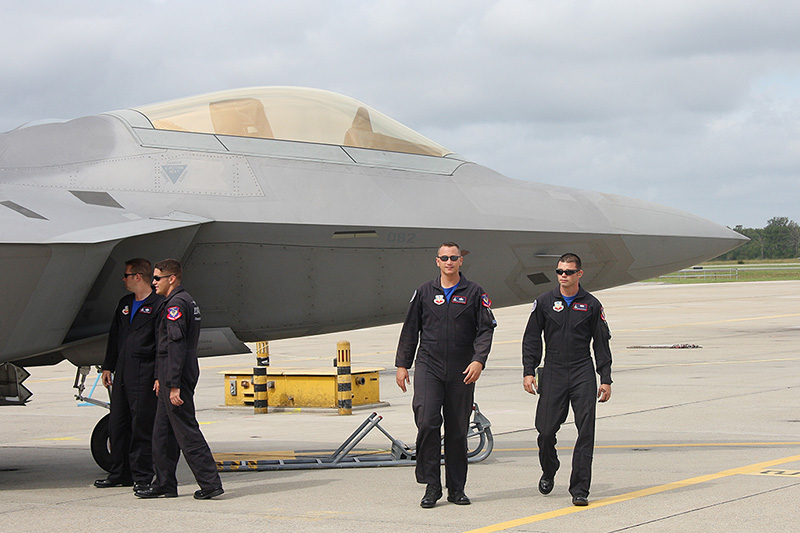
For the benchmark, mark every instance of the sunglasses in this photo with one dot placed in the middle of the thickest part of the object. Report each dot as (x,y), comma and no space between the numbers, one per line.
(444,258)
(126,274)
(159,278)
(560,271)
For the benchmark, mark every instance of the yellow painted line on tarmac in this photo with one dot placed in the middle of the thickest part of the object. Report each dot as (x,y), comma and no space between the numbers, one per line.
(62,438)
(502,526)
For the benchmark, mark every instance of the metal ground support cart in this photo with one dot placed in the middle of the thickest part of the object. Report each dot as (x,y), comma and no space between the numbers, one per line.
(479,439)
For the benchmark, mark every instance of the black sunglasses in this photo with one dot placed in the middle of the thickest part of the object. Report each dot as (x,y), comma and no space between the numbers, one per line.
(444,258)
(560,271)
(159,278)
(126,274)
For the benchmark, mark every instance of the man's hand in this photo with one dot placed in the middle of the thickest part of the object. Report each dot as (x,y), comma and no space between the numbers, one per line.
(402,378)
(107,379)
(473,372)
(529,385)
(604,392)
(156,387)
(175,396)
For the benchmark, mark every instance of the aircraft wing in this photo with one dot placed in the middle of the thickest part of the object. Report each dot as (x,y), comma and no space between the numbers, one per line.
(56,262)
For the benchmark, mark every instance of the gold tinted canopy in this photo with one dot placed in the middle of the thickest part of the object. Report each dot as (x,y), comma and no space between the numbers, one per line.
(291,114)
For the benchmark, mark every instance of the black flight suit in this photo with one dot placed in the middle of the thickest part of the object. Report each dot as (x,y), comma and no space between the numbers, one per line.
(131,355)
(567,376)
(450,336)
(176,428)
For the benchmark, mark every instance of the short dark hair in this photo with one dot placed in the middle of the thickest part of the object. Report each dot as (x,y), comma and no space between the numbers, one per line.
(449,244)
(569,257)
(140,266)
(171,267)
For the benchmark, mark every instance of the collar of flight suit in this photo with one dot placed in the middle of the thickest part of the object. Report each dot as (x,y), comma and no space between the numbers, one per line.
(462,282)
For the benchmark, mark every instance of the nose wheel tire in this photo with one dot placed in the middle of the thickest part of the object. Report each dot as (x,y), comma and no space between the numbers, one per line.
(101,445)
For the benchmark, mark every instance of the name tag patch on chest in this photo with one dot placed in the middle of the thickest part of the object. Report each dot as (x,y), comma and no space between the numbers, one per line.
(580,307)
(146,310)
(459,299)
(174,313)
(438,299)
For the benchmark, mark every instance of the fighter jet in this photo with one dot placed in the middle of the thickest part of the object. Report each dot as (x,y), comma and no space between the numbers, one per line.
(295,211)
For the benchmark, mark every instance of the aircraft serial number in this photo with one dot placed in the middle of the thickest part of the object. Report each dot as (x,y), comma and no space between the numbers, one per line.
(401,237)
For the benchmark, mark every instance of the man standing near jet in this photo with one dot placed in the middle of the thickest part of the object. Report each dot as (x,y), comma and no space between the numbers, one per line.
(177,372)
(451,320)
(570,318)
(130,358)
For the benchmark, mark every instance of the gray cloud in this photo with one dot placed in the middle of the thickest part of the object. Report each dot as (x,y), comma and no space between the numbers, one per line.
(690,104)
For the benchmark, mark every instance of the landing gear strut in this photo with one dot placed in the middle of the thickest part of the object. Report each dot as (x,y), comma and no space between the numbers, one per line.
(100,443)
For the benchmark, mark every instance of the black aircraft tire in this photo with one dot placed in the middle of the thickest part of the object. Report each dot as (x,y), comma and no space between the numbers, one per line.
(101,447)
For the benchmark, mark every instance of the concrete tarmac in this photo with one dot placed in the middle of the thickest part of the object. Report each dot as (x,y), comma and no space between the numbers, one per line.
(695,439)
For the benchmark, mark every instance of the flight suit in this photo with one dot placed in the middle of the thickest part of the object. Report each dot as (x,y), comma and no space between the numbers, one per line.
(446,337)
(130,355)
(567,376)
(176,428)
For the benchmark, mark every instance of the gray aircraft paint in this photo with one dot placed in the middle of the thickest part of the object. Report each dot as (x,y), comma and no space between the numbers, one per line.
(284,238)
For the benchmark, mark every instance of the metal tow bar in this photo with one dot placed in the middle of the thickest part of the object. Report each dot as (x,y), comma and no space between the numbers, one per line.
(479,440)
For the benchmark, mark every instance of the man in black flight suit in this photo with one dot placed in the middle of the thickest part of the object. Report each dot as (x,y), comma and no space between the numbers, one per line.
(570,318)
(451,320)
(177,372)
(130,357)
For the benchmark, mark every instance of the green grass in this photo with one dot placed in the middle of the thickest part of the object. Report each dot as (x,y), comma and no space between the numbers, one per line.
(728,271)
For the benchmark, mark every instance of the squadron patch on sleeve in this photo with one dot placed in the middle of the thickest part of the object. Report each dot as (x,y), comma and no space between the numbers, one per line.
(534,307)
(174,313)
(413,296)
(485,300)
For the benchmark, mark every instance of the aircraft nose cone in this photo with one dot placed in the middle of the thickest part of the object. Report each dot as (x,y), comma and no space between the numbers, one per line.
(661,239)
(620,239)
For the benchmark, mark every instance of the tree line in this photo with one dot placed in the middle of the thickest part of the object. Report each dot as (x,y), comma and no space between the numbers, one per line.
(779,239)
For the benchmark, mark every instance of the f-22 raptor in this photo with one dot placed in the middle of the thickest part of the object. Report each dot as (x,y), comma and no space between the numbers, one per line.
(295,211)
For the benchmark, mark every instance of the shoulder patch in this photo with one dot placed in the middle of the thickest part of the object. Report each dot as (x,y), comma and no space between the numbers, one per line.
(174,313)
(485,301)
(413,296)
(534,306)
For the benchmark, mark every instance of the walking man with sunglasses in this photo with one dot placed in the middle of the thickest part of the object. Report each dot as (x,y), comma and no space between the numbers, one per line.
(570,319)
(449,327)
(177,371)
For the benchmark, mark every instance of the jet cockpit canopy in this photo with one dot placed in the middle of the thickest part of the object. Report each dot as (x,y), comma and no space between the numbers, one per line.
(292,114)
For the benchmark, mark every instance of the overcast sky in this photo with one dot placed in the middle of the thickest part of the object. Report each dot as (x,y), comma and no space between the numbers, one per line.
(691,104)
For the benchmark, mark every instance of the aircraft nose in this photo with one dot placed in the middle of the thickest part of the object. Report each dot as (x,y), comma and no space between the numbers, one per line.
(620,239)
(661,239)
